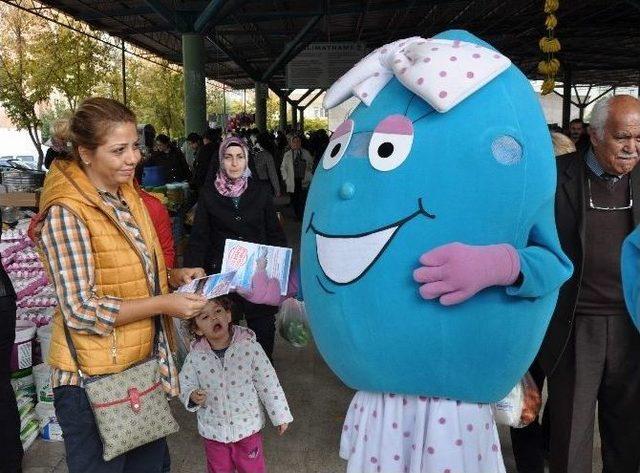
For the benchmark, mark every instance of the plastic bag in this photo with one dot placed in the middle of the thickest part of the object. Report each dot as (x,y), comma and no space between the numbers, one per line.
(292,324)
(521,406)
(49,427)
(182,339)
(190,216)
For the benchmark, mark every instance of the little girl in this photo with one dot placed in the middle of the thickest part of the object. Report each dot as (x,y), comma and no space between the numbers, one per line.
(225,377)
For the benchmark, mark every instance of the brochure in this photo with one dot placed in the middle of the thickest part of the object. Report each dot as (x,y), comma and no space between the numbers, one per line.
(244,257)
(212,286)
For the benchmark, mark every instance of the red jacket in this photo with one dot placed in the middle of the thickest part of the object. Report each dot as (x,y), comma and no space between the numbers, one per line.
(162,223)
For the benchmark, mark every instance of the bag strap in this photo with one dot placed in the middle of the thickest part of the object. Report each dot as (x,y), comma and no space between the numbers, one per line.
(158,324)
(72,347)
(157,292)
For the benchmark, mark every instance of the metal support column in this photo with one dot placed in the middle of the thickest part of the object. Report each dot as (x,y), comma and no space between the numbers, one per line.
(124,77)
(195,94)
(301,119)
(566,99)
(224,108)
(294,116)
(283,113)
(261,106)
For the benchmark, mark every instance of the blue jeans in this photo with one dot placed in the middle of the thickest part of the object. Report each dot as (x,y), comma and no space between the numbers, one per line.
(83,445)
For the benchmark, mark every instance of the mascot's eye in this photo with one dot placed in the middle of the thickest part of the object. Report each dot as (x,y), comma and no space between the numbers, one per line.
(391,142)
(338,144)
(506,150)
(385,149)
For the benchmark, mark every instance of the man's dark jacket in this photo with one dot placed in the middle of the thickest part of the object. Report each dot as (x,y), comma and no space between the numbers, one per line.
(571,209)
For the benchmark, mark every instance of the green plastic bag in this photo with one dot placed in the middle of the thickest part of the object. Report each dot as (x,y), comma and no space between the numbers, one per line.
(292,323)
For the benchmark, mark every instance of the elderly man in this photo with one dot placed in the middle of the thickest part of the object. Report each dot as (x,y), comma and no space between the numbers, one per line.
(591,352)
(296,170)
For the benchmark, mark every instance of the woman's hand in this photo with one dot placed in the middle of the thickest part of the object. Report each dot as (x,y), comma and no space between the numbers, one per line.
(181,276)
(282,428)
(183,306)
(198,397)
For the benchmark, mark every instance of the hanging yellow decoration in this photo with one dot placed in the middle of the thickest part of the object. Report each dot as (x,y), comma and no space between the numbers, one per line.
(551,6)
(549,45)
(551,22)
(549,68)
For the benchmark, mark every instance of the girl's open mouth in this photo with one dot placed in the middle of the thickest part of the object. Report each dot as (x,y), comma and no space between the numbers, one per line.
(217,327)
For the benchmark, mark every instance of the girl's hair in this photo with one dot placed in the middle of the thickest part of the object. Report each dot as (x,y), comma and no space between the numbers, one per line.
(60,129)
(225,302)
(93,120)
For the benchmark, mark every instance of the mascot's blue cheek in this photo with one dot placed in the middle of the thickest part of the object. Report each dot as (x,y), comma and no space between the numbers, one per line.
(365,229)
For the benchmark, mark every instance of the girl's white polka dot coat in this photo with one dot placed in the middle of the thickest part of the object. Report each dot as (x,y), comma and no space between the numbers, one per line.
(235,389)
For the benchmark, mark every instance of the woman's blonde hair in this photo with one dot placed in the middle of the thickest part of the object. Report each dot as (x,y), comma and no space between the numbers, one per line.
(60,129)
(93,120)
(562,144)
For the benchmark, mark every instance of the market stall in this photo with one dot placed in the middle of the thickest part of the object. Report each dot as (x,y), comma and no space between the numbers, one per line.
(35,302)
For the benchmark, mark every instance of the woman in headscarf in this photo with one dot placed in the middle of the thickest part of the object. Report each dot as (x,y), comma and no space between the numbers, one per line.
(233,205)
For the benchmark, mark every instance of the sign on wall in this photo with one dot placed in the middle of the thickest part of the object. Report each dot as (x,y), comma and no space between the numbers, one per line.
(319,65)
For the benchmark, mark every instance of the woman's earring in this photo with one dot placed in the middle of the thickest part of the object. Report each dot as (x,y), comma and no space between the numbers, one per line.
(87,163)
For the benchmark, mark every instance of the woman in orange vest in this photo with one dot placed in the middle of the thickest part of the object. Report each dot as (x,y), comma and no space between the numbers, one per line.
(103,255)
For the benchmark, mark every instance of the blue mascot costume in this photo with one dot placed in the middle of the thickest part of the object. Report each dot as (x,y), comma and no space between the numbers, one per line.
(430,259)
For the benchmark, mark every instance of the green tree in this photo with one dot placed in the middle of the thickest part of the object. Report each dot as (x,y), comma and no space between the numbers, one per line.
(111,84)
(215,98)
(57,109)
(236,106)
(24,85)
(273,111)
(157,97)
(76,62)
(312,124)
(154,91)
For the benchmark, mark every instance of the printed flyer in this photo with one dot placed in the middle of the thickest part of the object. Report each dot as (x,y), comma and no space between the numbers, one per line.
(212,286)
(244,258)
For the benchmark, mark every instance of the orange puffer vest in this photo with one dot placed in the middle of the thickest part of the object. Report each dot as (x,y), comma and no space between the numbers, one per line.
(119,272)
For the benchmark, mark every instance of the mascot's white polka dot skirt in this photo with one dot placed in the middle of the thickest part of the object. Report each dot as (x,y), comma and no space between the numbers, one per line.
(390,433)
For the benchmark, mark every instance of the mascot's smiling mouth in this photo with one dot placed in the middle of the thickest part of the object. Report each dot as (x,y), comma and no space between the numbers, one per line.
(344,259)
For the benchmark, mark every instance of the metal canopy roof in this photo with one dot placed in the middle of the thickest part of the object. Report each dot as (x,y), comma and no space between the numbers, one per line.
(249,40)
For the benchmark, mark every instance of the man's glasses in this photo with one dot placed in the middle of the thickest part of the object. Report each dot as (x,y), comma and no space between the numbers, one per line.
(597,207)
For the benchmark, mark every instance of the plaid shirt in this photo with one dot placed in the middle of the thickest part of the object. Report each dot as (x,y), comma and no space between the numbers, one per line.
(66,244)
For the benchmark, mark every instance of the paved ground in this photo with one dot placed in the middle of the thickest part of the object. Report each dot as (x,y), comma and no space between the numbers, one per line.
(318,401)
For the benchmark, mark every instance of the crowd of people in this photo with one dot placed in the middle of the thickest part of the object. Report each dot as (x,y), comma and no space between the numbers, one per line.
(576,138)
(100,228)
(285,160)
(113,267)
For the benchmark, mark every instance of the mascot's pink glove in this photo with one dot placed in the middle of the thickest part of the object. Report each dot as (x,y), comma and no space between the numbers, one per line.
(266,290)
(455,272)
